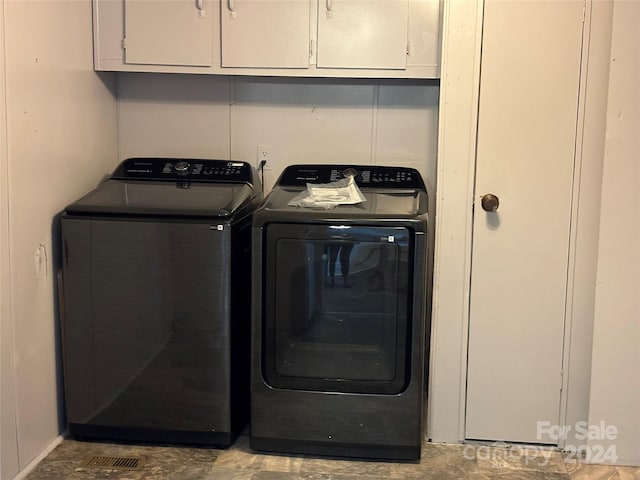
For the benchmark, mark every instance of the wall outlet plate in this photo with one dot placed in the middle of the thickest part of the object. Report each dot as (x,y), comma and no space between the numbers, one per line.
(264,153)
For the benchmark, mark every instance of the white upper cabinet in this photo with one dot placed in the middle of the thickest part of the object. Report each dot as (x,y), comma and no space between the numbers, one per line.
(169,32)
(321,38)
(350,33)
(362,33)
(265,33)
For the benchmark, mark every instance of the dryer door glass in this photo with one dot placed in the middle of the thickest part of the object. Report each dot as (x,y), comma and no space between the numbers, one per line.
(336,307)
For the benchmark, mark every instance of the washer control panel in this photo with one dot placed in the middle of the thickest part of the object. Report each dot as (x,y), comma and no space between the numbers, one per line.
(180,169)
(372,176)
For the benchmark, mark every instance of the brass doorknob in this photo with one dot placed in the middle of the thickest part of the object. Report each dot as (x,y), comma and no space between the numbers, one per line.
(490,202)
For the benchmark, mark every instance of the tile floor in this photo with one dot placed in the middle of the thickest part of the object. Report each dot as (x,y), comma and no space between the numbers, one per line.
(240,462)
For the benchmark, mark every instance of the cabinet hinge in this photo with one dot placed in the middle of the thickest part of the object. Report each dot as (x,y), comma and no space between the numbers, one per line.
(409,48)
(561,379)
(124,43)
(310,48)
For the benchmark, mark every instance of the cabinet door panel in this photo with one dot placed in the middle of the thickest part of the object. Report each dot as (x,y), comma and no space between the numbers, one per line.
(169,32)
(362,33)
(265,33)
(424,33)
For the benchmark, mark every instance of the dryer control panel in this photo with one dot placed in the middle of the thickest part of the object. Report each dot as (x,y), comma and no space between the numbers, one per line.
(181,169)
(372,176)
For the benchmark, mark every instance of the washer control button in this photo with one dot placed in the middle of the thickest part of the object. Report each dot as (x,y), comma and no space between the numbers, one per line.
(182,167)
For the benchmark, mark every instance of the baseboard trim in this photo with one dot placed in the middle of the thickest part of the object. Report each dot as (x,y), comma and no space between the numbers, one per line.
(22,474)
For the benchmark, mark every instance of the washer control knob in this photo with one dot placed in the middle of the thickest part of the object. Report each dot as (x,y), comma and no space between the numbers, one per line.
(350,172)
(182,167)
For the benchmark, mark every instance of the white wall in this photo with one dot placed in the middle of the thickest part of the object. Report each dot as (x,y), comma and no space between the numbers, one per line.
(173,115)
(615,380)
(302,120)
(61,139)
(8,438)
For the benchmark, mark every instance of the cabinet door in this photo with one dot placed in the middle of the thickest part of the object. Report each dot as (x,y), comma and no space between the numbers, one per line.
(169,32)
(529,89)
(362,33)
(265,33)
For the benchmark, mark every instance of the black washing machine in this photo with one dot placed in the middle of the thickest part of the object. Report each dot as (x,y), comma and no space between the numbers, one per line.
(339,321)
(156,312)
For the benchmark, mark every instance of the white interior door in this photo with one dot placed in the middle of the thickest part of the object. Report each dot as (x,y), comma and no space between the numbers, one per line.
(529,87)
(170,32)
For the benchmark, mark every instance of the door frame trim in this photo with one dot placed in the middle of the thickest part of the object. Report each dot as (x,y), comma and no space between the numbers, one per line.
(459,96)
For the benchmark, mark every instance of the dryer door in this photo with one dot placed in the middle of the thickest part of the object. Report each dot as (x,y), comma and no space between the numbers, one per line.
(337,308)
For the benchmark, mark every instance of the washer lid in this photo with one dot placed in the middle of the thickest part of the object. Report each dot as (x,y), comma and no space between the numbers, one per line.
(131,197)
